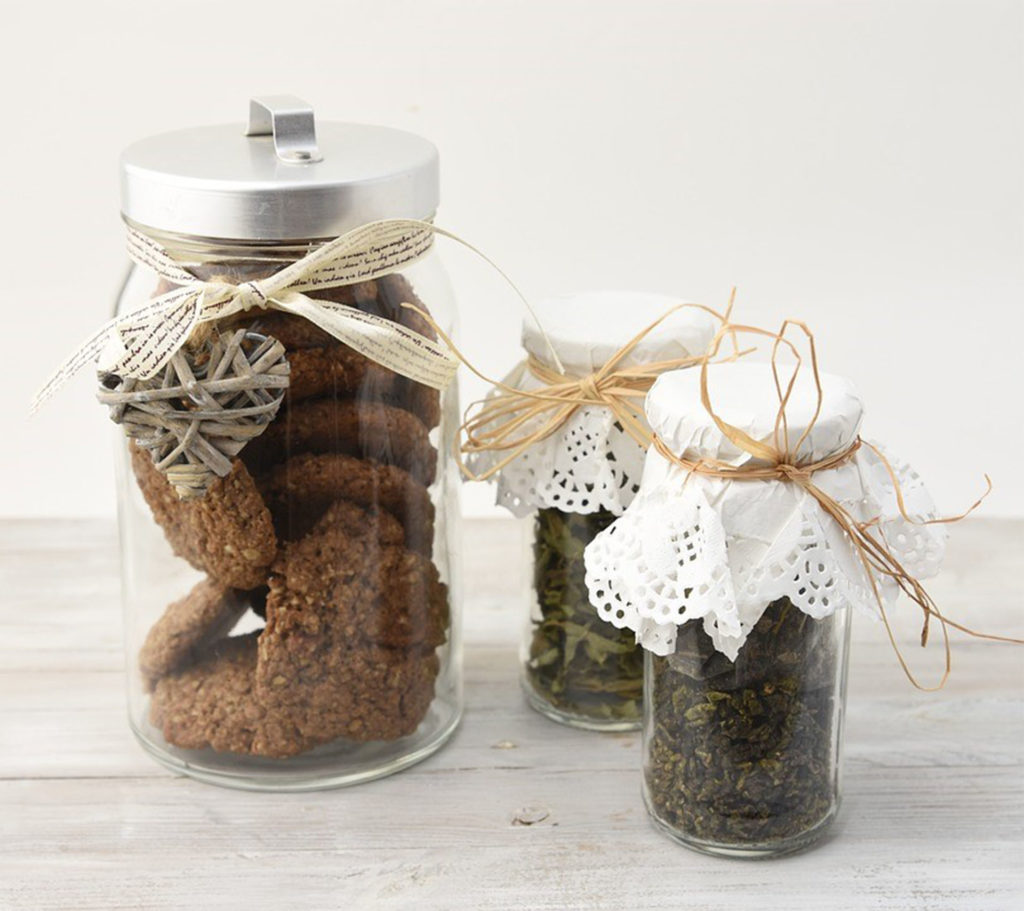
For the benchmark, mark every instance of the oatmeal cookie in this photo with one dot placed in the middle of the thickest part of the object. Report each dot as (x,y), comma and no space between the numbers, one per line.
(353,576)
(228,533)
(369,430)
(207,613)
(300,491)
(212,703)
(353,618)
(361,693)
(337,371)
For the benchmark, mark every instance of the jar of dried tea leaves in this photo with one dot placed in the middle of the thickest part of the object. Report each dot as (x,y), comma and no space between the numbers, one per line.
(289,510)
(580,472)
(739,583)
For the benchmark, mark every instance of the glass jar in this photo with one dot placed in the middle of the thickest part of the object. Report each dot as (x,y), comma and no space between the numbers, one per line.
(742,757)
(739,584)
(570,485)
(297,626)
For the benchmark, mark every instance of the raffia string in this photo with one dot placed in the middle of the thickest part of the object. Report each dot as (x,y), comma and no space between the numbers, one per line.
(514,419)
(781,462)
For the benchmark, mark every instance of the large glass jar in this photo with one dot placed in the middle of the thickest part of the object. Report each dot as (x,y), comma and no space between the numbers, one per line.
(297,625)
(737,577)
(570,484)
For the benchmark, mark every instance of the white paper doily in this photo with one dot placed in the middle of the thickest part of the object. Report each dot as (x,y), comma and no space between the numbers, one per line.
(591,463)
(700,547)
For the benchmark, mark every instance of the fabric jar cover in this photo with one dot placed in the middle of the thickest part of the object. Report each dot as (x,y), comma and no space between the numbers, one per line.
(696,546)
(590,463)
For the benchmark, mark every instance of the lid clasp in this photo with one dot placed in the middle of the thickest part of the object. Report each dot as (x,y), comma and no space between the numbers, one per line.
(290,121)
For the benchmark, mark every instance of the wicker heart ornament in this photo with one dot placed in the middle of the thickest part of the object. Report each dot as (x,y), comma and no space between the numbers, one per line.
(198,413)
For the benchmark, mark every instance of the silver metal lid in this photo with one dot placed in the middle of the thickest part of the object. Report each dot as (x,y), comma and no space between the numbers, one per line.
(282,178)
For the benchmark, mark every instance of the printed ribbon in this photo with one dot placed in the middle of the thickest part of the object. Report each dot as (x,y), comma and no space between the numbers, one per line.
(780,462)
(138,344)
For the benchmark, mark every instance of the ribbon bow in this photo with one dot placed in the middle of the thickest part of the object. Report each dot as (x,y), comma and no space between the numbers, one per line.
(138,344)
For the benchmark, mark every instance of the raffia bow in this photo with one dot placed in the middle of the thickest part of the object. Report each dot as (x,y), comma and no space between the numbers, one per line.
(513,419)
(138,344)
(779,460)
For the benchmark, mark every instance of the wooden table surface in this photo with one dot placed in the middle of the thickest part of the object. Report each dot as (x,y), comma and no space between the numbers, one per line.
(933,815)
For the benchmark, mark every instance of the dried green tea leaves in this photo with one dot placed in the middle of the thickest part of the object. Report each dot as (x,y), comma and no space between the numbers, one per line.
(579,665)
(744,753)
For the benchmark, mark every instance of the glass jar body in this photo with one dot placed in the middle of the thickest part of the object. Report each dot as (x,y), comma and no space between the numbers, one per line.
(576,669)
(298,626)
(743,758)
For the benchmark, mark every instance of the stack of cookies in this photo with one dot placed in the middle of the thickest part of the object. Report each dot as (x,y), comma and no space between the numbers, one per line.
(325,528)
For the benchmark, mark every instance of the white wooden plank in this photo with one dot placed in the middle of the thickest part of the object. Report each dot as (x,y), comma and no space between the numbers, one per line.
(448,840)
(72,724)
(932,817)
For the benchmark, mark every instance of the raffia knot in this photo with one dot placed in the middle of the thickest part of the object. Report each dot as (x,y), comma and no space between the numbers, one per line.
(591,388)
(793,472)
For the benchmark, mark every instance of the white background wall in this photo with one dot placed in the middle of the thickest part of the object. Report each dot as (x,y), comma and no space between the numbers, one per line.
(858,164)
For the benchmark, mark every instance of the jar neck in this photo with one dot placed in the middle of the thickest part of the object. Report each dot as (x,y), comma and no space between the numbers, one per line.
(191,250)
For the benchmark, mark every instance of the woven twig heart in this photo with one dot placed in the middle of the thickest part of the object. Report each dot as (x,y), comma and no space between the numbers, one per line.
(198,413)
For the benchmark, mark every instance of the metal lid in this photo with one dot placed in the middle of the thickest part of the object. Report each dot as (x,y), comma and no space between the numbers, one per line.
(282,178)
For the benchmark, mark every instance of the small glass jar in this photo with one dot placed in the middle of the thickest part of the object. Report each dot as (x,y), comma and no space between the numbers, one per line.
(570,486)
(297,626)
(742,757)
(741,589)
